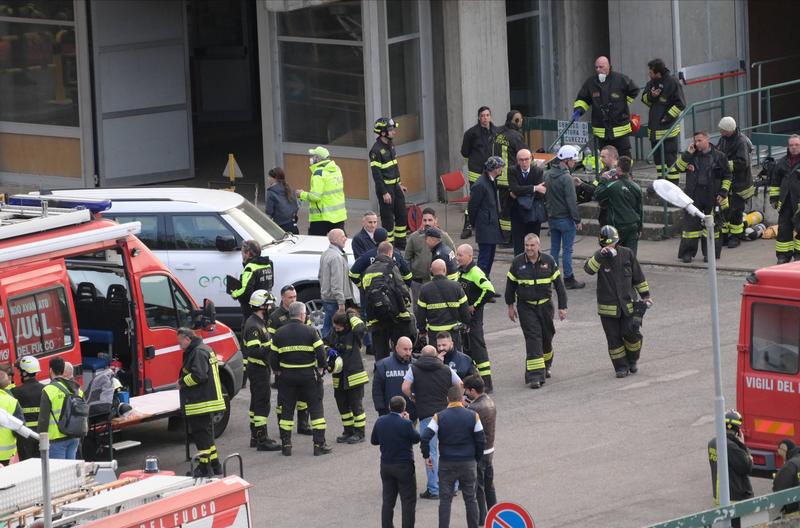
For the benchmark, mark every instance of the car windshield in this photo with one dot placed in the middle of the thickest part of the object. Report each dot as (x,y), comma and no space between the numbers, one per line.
(261,227)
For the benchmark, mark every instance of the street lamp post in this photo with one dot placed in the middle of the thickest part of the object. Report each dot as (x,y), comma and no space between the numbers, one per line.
(671,193)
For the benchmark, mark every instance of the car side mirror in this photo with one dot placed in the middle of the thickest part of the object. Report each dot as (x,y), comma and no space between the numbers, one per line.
(207,317)
(225,243)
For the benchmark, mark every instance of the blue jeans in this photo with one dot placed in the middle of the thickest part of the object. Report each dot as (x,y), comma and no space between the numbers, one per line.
(432,474)
(486,257)
(562,232)
(330,308)
(64,449)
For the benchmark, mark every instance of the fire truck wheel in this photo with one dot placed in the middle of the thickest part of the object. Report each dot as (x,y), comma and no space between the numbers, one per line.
(311,297)
(221,419)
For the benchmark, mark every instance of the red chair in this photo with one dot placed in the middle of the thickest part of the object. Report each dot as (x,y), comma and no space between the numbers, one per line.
(452,182)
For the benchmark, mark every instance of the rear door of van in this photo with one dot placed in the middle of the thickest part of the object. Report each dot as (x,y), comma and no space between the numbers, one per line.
(38,315)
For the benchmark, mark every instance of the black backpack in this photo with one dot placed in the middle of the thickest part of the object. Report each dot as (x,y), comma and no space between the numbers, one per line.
(385,300)
(74,418)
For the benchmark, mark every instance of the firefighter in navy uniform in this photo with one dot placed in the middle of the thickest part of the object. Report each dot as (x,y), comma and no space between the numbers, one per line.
(278,318)
(740,461)
(29,394)
(386,174)
(201,396)
(736,148)
(531,280)
(442,306)
(476,147)
(618,273)
(786,169)
(349,376)
(256,340)
(507,142)
(664,95)
(479,291)
(609,94)
(298,359)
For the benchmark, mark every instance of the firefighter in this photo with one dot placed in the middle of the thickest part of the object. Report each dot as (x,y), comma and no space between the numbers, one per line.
(298,359)
(609,95)
(349,376)
(664,95)
(326,202)
(788,476)
(786,244)
(29,394)
(201,396)
(507,142)
(736,148)
(386,174)
(62,446)
(708,181)
(740,461)
(531,280)
(8,440)
(278,318)
(440,251)
(476,147)
(479,291)
(442,305)
(256,345)
(618,273)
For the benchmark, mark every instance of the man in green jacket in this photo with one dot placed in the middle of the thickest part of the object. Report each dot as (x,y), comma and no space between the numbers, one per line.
(326,200)
(622,199)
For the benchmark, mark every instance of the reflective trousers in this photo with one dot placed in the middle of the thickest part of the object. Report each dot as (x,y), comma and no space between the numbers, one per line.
(394,217)
(624,340)
(350,403)
(475,347)
(537,326)
(294,384)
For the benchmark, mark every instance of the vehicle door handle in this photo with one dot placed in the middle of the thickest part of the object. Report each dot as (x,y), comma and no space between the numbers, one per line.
(185,267)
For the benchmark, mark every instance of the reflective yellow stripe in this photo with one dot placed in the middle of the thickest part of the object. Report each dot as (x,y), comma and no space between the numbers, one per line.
(473,176)
(691,234)
(607,309)
(304,365)
(286,425)
(535,364)
(548,356)
(632,347)
(255,361)
(621,130)
(539,301)
(388,164)
(642,287)
(358,378)
(617,353)
(630,99)
(593,264)
(747,193)
(661,133)
(726,184)
(581,104)
(189,381)
(774,191)
(674,111)
(441,328)
(295,348)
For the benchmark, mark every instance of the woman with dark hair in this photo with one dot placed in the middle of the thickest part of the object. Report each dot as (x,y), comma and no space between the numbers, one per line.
(281,201)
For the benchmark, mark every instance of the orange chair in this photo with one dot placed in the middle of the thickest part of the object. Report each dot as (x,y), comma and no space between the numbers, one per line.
(452,182)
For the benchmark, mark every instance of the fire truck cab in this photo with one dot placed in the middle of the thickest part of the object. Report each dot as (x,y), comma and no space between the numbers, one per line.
(768,379)
(76,286)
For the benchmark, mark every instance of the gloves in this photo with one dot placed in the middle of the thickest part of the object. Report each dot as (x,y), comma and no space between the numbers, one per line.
(577,114)
(609,251)
(332,353)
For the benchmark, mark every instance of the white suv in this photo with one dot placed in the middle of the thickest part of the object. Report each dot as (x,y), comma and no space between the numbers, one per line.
(198,233)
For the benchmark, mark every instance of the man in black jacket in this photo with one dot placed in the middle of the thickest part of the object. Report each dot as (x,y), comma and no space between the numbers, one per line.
(29,395)
(426,384)
(525,184)
(736,148)
(476,148)
(708,180)
(788,476)
(484,213)
(387,379)
(455,359)
(608,93)
(740,461)
(479,291)
(442,305)
(784,186)
(507,142)
(201,396)
(349,376)
(664,95)
(441,251)
(386,175)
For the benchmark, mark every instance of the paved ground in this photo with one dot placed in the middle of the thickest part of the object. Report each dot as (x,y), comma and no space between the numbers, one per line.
(586,450)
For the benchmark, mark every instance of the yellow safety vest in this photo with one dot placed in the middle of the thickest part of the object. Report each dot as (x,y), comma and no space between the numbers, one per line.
(57,397)
(326,195)
(8,443)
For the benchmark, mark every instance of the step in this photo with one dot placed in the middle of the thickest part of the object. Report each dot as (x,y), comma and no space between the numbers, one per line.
(122,445)
(650,231)
(653,214)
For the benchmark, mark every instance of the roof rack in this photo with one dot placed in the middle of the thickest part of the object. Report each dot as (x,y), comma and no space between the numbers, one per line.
(19,220)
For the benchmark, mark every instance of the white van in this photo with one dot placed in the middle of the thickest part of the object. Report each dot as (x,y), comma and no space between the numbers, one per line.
(198,234)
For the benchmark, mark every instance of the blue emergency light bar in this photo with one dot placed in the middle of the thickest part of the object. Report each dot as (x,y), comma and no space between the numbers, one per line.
(94,206)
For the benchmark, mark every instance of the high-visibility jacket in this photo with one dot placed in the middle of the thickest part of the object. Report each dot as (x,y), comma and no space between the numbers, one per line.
(326,196)
(256,341)
(476,148)
(29,395)
(533,282)
(615,278)
(609,101)
(665,108)
(737,149)
(348,346)
(8,442)
(782,169)
(243,293)
(507,142)
(442,305)
(51,404)
(383,164)
(200,386)
(475,284)
(297,347)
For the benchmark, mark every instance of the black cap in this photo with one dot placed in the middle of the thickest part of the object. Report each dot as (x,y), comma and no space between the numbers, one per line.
(433,232)
(380,235)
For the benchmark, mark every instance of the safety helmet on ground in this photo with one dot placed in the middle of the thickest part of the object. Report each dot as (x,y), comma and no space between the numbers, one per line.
(733,420)
(383,124)
(493,163)
(608,236)
(29,365)
(569,152)
(261,298)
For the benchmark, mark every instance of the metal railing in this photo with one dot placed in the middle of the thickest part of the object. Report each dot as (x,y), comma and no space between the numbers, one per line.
(758,65)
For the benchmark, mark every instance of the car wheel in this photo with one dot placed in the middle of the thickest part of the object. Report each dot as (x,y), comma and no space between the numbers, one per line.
(314,310)
(220,419)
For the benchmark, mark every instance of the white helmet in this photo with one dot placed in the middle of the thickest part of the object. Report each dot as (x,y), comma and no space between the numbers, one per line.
(116,383)
(261,298)
(338,364)
(29,365)
(568,152)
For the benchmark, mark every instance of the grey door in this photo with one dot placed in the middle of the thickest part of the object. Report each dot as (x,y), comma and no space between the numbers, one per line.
(142,109)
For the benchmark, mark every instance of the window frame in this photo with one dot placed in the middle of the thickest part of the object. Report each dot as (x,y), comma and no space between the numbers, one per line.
(161,238)
(753,307)
(65,311)
(171,243)
(173,288)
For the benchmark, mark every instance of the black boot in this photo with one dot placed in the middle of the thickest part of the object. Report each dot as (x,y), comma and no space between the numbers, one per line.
(733,242)
(216,467)
(286,443)
(253,439)
(303,425)
(358,436)
(487,384)
(348,432)
(466,232)
(320,447)
(265,443)
(571,284)
(201,470)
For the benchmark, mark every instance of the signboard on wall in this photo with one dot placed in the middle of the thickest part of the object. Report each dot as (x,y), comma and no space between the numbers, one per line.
(578,133)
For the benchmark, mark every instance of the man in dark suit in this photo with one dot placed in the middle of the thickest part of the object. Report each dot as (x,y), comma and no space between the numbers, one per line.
(396,435)
(525,184)
(484,213)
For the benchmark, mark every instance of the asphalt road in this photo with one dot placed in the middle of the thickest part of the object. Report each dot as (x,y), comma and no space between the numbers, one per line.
(585,450)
